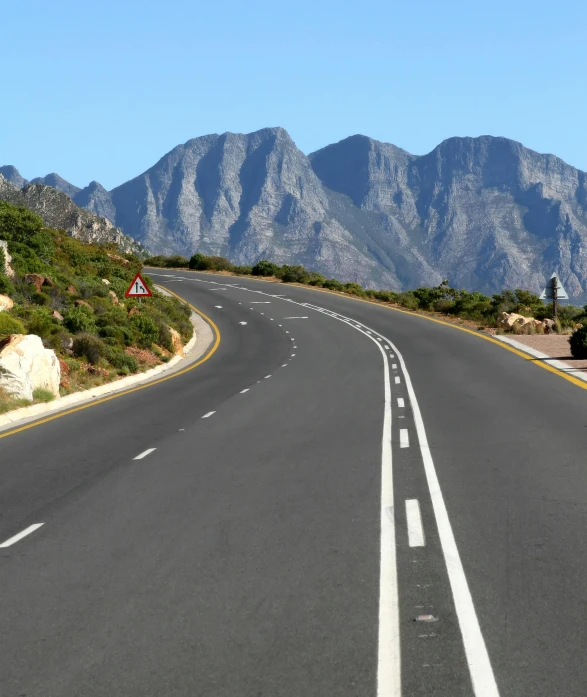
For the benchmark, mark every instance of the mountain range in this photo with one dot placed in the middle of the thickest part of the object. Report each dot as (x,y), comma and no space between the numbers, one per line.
(485,213)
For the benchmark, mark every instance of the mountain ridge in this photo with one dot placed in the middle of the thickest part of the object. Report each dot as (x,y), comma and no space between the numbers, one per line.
(485,212)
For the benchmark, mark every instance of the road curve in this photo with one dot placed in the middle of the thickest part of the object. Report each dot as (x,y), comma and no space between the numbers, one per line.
(343,500)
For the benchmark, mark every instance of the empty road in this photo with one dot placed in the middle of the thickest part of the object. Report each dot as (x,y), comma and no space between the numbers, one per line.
(342,500)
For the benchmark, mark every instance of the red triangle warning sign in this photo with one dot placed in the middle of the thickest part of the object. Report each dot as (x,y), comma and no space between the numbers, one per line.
(138,288)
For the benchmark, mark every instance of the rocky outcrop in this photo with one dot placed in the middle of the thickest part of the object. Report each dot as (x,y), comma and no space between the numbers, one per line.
(25,365)
(8,270)
(58,211)
(6,303)
(176,341)
(56,182)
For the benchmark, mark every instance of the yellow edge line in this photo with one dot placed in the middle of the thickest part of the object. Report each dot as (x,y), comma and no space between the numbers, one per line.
(132,389)
(579,383)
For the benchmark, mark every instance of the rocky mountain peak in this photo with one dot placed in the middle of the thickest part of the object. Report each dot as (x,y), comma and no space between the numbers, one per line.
(12,175)
(56,182)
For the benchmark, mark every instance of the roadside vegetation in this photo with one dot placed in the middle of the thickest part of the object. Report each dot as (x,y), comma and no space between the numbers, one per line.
(71,294)
(451,303)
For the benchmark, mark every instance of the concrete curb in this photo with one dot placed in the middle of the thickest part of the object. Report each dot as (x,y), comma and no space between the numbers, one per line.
(194,349)
(559,365)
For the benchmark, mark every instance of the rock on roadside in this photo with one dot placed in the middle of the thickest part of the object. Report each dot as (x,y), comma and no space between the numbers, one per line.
(25,365)
(6,303)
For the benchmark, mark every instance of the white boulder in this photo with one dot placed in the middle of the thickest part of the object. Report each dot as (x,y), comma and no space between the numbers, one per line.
(6,303)
(8,270)
(25,365)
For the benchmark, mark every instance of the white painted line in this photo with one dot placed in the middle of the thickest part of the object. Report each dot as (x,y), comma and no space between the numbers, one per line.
(286,331)
(369,333)
(397,380)
(267,376)
(478,661)
(404,438)
(284,365)
(414,519)
(400,402)
(295,347)
(280,325)
(379,338)
(243,391)
(296,318)
(24,533)
(219,307)
(260,302)
(208,414)
(394,366)
(218,289)
(293,354)
(387,347)
(144,454)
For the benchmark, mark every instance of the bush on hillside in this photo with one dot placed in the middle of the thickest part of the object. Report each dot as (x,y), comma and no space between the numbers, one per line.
(147,329)
(123,363)
(264,268)
(10,325)
(578,342)
(79,319)
(89,346)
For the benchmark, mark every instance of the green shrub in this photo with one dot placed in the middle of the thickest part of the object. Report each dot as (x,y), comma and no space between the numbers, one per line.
(18,224)
(164,338)
(89,286)
(176,262)
(88,345)
(243,270)
(79,319)
(40,322)
(265,268)
(117,334)
(10,325)
(121,361)
(354,289)
(115,315)
(100,305)
(6,285)
(147,329)
(333,284)
(40,298)
(578,342)
(41,395)
(408,300)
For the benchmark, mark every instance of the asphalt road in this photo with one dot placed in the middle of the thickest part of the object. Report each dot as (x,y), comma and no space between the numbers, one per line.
(265,546)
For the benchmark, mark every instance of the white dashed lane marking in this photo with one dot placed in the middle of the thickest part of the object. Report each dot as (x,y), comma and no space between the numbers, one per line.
(404,438)
(397,380)
(144,454)
(243,391)
(414,519)
(400,402)
(208,414)
(20,535)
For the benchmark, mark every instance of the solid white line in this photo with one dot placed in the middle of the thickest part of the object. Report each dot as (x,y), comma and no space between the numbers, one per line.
(24,533)
(404,438)
(144,454)
(243,391)
(400,402)
(414,519)
(208,414)
(397,380)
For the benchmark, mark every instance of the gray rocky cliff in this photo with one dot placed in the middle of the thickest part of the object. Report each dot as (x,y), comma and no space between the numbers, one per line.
(56,182)
(58,211)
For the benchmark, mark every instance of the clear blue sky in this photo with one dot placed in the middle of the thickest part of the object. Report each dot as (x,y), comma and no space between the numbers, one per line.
(103,90)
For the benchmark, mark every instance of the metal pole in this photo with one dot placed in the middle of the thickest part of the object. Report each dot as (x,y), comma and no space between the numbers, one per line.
(554,297)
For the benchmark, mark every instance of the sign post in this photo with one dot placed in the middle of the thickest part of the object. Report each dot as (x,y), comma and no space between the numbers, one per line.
(554,291)
(138,289)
